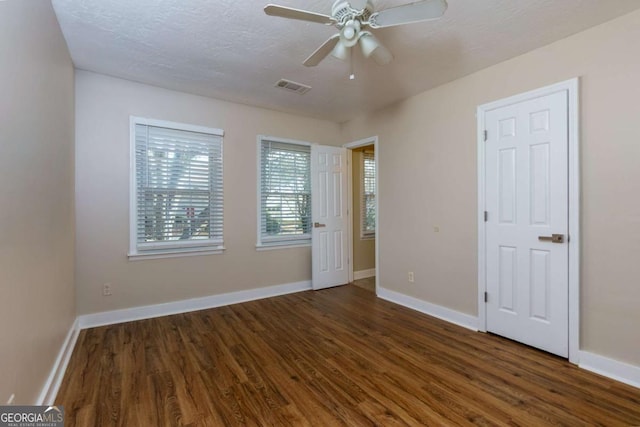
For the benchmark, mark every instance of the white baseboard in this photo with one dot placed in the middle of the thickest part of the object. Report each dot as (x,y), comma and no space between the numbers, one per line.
(623,372)
(52,385)
(620,371)
(364,274)
(451,316)
(184,306)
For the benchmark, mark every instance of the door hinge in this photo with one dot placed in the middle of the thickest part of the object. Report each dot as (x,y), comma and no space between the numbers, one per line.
(486,297)
(486,135)
(486,216)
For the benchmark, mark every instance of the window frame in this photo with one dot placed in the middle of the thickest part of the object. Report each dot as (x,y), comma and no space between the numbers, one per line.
(367,234)
(168,250)
(262,244)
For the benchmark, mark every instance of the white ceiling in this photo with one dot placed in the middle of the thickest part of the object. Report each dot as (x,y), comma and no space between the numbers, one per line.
(231,50)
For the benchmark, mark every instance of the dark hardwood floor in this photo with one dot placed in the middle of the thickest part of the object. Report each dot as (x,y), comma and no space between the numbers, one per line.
(332,357)
(368,284)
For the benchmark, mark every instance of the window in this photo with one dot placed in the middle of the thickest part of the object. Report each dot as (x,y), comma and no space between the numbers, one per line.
(284,215)
(176,197)
(368,202)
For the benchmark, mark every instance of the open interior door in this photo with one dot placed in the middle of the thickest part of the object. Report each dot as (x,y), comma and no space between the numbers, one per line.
(329,215)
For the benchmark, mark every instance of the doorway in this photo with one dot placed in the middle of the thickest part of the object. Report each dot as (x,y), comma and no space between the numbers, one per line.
(528,218)
(363,208)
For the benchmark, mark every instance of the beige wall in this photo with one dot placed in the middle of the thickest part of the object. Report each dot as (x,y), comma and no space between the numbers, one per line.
(427,177)
(103,107)
(364,250)
(37,299)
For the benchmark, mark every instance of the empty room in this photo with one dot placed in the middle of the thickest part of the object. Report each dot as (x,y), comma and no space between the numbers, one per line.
(319,213)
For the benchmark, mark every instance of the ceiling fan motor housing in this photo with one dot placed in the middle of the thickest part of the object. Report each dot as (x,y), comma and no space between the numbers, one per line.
(343,12)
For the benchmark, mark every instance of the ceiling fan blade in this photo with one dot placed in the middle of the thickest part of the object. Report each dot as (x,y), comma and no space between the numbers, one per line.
(408,13)
(303,15)
(322,51)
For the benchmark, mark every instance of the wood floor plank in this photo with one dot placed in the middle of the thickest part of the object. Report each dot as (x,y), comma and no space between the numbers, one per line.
(338,356)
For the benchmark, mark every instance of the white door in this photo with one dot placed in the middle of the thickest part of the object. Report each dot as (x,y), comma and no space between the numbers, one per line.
(329,216)
(526,197)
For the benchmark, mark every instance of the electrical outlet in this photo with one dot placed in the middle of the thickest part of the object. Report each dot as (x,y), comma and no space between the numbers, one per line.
(106,290)
(11,399)
(411,277)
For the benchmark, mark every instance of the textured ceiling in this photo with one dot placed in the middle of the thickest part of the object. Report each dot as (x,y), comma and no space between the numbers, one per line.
(231,50)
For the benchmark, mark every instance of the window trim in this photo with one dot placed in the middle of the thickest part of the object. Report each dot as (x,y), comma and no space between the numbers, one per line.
(274,242)
(163,250)
(366,235)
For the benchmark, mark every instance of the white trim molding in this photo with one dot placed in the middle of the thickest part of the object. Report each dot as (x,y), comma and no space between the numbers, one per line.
(175,254)
(272,247)
(442,313)
(619,371)
(364,274)
(184,306)
(572,89)
(53,382)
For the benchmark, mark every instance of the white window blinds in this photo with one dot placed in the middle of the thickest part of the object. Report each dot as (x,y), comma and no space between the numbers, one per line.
(179,191)
(285,192)
(368,202)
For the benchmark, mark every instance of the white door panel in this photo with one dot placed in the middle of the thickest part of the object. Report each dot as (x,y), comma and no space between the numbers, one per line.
(329,213)
(526,196)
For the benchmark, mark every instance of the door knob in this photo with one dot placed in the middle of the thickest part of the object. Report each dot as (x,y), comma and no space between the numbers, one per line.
(554,238)
(318,225)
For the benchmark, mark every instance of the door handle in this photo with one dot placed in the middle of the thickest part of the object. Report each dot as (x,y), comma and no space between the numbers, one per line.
(554,238)
(318,225)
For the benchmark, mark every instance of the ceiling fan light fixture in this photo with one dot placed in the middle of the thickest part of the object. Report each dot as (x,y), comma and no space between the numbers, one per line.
(351,29)
(371,47)
(382,56)
(341,51)
(350,33)
(368,44)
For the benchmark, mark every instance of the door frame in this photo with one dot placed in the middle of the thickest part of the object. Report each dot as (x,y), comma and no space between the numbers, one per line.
(572,88)
(372,140)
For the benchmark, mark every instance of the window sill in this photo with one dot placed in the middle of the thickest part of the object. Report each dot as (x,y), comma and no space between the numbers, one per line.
(176,253)
(372,237)
(273,246)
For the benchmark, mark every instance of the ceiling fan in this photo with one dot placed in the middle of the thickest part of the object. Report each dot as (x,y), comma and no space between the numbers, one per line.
(353,19)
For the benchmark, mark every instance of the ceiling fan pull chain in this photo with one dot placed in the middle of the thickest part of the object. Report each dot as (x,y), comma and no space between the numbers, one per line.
(352,74)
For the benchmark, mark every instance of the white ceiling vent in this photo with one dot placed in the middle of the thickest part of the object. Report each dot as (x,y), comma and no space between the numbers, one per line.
(293,86)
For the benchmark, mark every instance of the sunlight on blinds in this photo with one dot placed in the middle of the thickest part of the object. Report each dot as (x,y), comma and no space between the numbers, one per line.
(179,188)
(285,191)
(368,202)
